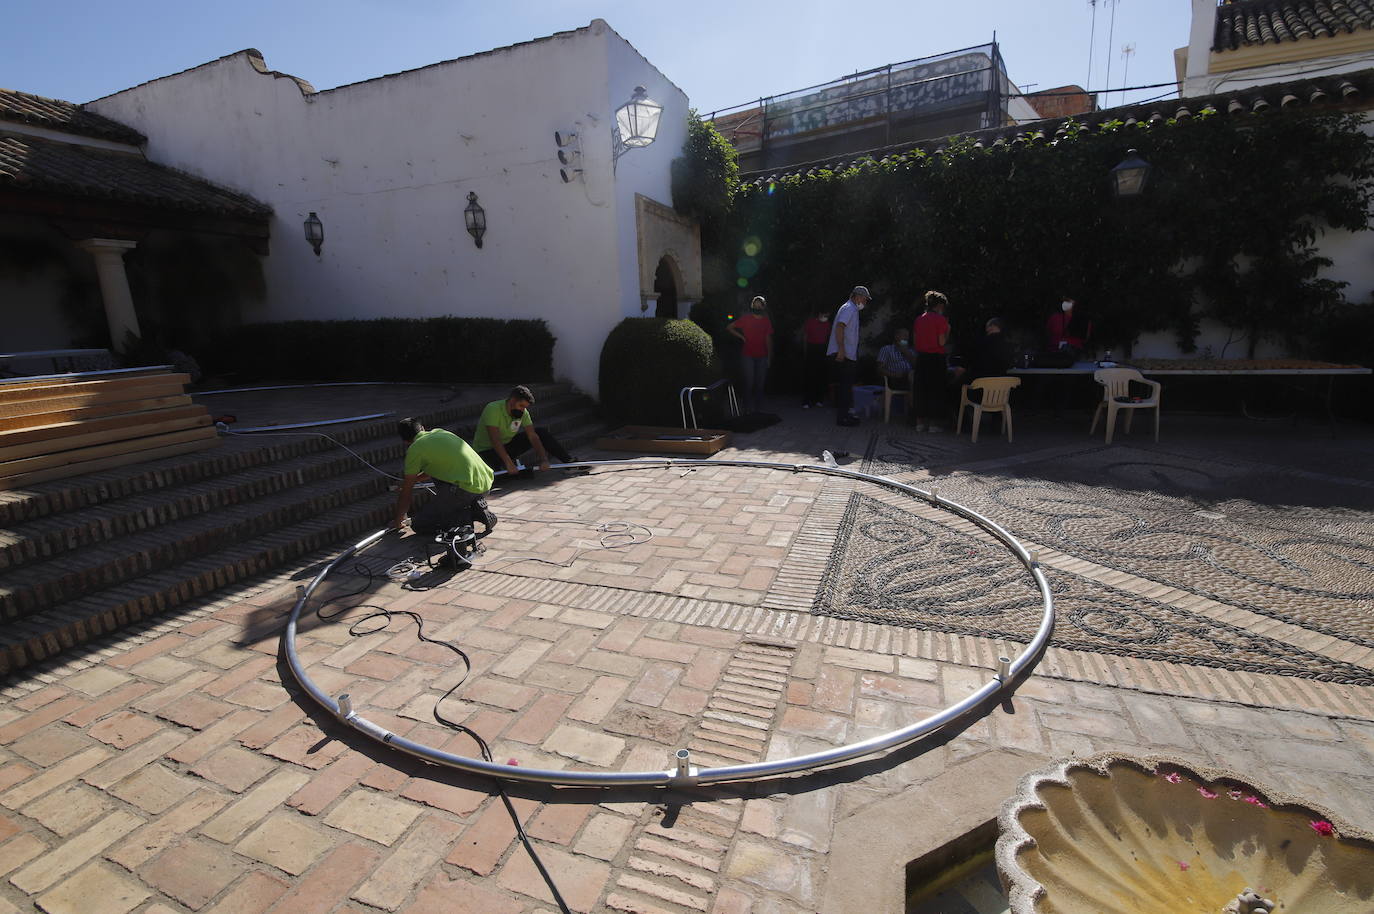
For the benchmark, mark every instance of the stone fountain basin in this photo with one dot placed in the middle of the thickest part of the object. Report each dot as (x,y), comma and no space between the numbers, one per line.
(1145,836)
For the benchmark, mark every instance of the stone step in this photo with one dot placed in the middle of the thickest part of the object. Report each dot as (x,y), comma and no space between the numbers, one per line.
(235,453)
(82,557)
(55,535)
(44,634)
(38,586)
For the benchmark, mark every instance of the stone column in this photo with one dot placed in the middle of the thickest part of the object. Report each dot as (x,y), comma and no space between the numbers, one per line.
(114,285)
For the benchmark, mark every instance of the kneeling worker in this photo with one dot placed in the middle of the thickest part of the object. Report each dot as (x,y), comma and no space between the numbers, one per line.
(495,439)
(460,477)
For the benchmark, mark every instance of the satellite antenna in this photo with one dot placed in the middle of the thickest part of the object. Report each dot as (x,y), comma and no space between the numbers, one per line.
(1127,50)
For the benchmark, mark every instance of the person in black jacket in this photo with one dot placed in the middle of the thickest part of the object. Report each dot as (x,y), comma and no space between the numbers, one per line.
(992,355)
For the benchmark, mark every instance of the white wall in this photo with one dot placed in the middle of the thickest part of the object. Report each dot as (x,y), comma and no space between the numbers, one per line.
(387,164)
(646,170)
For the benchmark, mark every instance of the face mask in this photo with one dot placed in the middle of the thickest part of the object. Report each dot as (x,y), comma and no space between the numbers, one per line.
(825,319)
(903,341)
(1067,306)
(517,413)
(861,305)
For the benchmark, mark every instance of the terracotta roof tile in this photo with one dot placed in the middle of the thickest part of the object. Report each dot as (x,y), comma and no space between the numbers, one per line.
(28,163)
(1344,91)
(1244,23)
(68,117)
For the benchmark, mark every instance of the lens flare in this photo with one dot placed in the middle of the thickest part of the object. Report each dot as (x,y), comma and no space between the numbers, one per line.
(752,246)
(747,267)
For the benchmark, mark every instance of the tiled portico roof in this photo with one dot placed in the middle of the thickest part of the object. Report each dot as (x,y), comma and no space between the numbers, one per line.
(67,117)
(31,164)
(1343,91)
(1255,22)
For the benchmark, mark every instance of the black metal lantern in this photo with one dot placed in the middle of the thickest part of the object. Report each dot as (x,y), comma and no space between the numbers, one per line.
(314,232)
(476,218)
(636,122)
(1130,177)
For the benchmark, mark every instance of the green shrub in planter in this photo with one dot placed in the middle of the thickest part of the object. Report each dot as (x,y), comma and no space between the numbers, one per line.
(646,362)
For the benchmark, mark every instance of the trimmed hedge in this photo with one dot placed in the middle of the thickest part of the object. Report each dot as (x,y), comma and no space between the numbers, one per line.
(392,349)
(646,362)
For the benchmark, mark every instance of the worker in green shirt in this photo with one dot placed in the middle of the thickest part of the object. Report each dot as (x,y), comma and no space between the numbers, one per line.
(460,478)
(495,439)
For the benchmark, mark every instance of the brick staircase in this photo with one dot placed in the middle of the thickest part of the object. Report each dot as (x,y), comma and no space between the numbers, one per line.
(85,556)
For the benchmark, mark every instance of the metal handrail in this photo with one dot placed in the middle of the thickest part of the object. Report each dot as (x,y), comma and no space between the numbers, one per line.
(682,773)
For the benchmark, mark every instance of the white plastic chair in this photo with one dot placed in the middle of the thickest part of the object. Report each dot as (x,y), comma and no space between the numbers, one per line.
(1116,395)
(996,399)
(889,392)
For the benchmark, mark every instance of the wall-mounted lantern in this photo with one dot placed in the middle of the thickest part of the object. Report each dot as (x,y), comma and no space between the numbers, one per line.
(476,218)
(636,122)
(314,232)
(1129,178)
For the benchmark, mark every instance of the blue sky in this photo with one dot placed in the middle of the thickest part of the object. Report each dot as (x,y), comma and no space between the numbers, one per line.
(721,53)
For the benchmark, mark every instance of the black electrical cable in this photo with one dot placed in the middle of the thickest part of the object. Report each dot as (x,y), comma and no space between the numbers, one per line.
(359,628)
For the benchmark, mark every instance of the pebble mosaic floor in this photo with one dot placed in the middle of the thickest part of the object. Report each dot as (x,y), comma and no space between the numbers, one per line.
(1293,546)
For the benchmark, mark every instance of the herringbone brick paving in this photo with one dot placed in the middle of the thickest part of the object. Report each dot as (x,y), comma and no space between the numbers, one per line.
(172,770)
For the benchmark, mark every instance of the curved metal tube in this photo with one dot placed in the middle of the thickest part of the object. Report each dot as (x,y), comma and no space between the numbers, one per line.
(681,773)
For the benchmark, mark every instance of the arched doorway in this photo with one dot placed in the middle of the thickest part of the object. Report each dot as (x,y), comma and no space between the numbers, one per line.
(665,284)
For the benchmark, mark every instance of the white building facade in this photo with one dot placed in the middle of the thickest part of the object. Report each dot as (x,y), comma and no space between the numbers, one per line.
(388,165)
(1243,44)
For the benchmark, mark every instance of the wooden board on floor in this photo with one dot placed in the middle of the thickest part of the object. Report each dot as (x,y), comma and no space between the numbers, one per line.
(106,463)
(130,428)
(49,388)
(655,439)
(52,417)
(155,386)
(76,377)
(78,456)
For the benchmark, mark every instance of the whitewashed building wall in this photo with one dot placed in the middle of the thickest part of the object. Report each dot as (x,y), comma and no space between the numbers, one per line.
(388,164)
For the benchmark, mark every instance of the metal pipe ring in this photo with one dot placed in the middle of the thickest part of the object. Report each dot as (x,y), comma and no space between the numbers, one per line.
(680,772)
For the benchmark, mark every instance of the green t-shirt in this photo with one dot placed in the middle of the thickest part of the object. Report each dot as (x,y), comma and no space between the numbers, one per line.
(448,458)
(495,413)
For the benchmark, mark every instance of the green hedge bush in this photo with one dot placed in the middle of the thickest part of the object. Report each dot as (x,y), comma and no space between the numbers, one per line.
(440,349)
(646,362)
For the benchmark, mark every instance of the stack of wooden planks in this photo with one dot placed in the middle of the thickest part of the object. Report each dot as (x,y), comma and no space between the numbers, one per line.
(58,426)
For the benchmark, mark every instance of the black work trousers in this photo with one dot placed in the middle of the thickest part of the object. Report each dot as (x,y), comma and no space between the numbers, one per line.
(931,371)
(844,387)
(521,443)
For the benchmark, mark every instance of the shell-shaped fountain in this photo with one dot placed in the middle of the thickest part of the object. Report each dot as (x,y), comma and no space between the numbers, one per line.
(1145,836)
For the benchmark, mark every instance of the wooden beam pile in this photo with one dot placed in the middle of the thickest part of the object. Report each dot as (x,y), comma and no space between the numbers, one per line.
(65,425)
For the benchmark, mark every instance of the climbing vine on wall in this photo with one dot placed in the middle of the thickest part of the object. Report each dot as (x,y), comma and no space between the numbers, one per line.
(1227,228)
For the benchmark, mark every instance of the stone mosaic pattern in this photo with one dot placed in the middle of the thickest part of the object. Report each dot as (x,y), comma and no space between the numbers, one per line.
(896,567)
(1292,546)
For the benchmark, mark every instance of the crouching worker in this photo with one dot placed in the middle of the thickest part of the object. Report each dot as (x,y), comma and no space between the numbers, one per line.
(460,480)
(496,441)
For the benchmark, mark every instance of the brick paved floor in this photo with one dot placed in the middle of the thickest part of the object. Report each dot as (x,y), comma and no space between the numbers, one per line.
(172,770)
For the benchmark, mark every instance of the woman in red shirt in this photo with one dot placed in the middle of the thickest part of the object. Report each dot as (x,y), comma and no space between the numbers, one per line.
(929,335)
(815,338)
(755,330)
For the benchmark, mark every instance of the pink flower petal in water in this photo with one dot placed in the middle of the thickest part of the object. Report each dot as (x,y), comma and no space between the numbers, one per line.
(1322,827)
(1234,794)
(1207,794)
(1256,801)
(1183,866)
(1173,777)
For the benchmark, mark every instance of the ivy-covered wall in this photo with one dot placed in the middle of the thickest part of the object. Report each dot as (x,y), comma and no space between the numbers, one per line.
(1227,229)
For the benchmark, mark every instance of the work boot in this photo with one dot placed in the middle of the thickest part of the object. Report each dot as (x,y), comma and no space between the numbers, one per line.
(482,512)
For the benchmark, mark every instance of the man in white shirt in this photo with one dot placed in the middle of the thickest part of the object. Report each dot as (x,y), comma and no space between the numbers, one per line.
(844,349)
